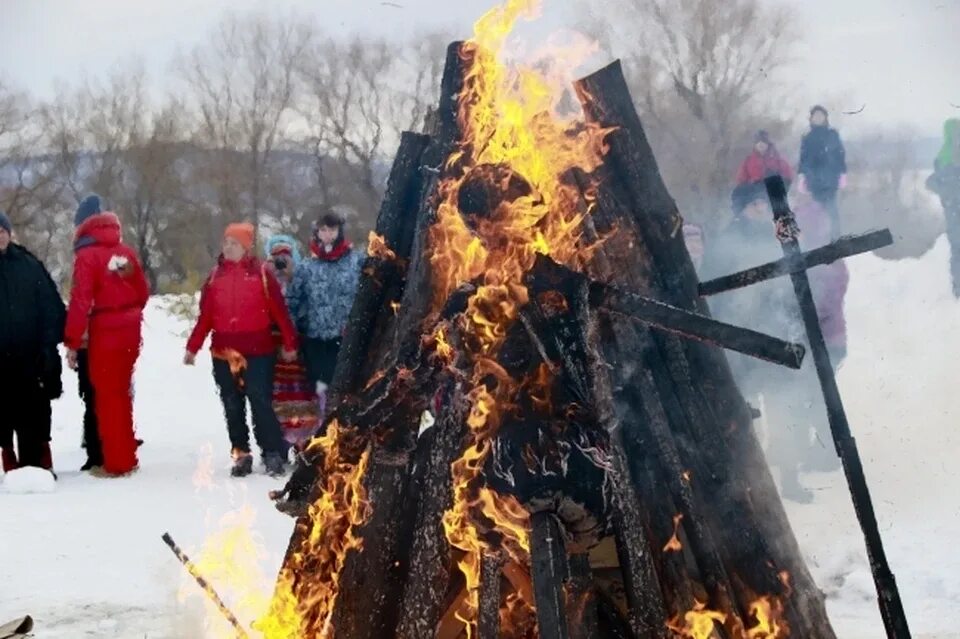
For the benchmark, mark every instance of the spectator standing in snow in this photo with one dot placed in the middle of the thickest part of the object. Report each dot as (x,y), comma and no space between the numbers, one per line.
(106,306)
(294,397)
(823,164)
(763,162)
(945,182)
(239,303)
(31,326)
(791,400)
(320,298)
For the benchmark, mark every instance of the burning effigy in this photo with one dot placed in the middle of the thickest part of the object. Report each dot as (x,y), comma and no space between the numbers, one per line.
(591,469)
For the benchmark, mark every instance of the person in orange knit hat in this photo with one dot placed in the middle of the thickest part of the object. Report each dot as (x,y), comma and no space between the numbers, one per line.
(240,302)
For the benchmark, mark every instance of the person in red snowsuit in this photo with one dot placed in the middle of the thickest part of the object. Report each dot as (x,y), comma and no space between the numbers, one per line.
(107,299)
(763,162)
(240,303)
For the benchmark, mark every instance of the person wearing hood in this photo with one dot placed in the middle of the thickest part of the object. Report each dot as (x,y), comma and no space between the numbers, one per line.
(31,327)
(107,299)
(240,303)
(823,164)
(763,162)
(945,182)
(294,396)
(320,298)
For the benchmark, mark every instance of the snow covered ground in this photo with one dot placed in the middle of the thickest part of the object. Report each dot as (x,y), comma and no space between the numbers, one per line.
(87,560)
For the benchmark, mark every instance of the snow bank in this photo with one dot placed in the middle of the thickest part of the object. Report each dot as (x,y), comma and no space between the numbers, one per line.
(26,481)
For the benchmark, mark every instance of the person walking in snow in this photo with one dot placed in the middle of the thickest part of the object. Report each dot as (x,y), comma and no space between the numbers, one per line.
(239,303)
(945,182)
(107,299)
(823,164)
(320,298)
(294,396)
(763,162)
(31,327)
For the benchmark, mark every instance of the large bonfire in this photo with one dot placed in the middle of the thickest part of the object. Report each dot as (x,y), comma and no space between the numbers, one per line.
(517,185)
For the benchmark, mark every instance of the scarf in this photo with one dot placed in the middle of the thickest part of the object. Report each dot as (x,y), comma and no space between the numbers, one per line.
(341,248)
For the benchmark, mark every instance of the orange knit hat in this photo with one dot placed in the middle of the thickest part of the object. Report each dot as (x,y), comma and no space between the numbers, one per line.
(242,232)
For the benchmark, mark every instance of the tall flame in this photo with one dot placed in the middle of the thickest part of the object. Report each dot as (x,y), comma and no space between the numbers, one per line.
(511,128)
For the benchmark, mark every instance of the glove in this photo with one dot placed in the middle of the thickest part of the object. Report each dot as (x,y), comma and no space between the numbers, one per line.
(843,181)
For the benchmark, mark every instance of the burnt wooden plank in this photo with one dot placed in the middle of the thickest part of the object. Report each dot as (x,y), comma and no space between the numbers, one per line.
(381,274)
(581,599)
(548,567)
(843,247)
(431,561)
(488,615)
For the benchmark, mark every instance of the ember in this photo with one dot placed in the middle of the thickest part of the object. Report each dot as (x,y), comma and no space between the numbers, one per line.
(524,283)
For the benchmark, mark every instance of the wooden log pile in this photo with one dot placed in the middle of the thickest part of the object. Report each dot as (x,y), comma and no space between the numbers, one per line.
(619,493)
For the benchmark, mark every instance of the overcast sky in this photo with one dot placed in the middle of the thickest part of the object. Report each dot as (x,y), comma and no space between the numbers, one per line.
(900,58)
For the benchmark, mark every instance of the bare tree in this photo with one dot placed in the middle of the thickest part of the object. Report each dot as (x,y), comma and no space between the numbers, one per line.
(706,76)
(361,94)
(243,85)
(29,192)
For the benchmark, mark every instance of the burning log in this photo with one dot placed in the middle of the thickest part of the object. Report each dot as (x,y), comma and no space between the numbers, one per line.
(549,571)
(431,562)
(488,616)
(382,277)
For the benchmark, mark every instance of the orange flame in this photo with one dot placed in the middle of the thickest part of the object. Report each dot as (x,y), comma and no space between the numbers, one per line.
(335,517)
(515,141)
(674,544)
(768,612)
(698,623)
(377,247)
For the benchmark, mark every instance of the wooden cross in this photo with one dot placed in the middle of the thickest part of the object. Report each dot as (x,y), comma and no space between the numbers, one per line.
(795,263)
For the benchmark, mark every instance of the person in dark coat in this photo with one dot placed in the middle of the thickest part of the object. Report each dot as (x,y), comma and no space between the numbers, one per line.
(790,400)
(240,303)
(31,325)
(764,161)
(945,182)
(823,164)
(320,298)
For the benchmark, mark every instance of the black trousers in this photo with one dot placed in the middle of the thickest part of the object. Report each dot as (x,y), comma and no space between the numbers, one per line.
(320,358)
(91,436)
(26,414)
(255,385)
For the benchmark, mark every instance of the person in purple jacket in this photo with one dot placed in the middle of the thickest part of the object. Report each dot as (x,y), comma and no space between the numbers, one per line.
(790,400)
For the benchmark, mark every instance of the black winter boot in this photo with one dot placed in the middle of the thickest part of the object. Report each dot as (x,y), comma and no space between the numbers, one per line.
(274,464)
(242,464)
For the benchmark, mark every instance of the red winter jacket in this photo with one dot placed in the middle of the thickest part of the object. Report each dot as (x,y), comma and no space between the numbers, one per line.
(109,289)
(757,167)
(241,302)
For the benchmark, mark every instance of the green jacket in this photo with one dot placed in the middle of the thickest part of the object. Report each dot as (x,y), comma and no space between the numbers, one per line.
(948,153)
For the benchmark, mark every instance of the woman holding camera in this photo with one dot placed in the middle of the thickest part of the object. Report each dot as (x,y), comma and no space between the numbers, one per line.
(294,397)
